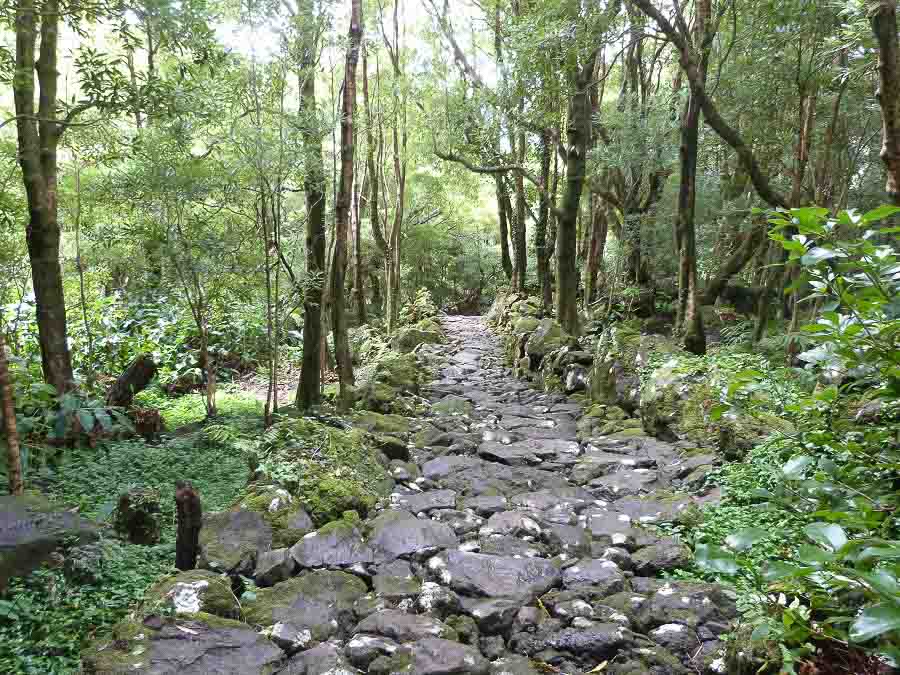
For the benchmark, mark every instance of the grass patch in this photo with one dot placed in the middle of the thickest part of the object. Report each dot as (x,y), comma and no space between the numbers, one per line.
(190,409)
(45,619)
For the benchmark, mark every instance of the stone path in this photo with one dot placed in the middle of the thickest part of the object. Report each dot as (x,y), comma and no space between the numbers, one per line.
(512,545)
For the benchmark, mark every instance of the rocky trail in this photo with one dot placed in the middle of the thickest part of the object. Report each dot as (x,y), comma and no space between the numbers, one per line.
(508,546)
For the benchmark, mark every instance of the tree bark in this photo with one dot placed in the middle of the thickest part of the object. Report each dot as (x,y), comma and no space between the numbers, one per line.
(342,208)
(189,512)
(599,228)
(578,132)
(883,16)
(309,387)
(139,373)
(7,400)
(502,201)
(540,232)
(37,141)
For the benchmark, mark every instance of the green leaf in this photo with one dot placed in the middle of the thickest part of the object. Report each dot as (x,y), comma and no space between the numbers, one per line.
(880,213)
(86,419)
(817,255)
(813,555)
(829,535)
(776,569)
(761,632)
(715,559)
(744,539)
(874,621)
(880,552)
(794,468)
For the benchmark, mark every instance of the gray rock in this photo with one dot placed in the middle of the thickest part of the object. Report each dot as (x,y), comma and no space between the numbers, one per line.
(666,555)
(395,580)
(436,600)
(461,522)
(486,505)
(361,650)
(307,609)
(434,656)
(494,576)
(602,574)
(424,502)
(232,541)
(494,616)
(396,534)
(513,665)
(338,544)
(31,530)
(324,659)
(512,523)
(188,647)
(274,567)
(404,627)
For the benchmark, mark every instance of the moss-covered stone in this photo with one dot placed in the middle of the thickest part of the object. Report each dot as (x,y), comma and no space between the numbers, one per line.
(231,540)
(191,592)
(287,518)
(453,405)
(525,325)
(547,337)
(410,337)
(381,423)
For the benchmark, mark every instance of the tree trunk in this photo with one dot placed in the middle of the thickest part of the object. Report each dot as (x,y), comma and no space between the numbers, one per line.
(502,200)
(883,15)
(540,232)
(309,387)
(599,228)
(520,242)
(38,142)
(7,400)
(139,373)
(567,228)
(342,208)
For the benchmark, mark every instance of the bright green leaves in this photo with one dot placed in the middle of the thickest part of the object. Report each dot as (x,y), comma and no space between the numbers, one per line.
(829,535)
(744,539)
(874,621)
(796,467)
(715,559)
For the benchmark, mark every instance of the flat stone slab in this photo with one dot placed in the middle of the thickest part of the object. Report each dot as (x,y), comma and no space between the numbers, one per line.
(476,574)
(423,502)
(336,545)
(31,529)
(397,534)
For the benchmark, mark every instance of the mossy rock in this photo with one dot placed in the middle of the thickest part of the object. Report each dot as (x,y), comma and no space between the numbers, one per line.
(525,325)
(231,541)
(596,411)
(381,423)
(158,645)
(287,518)
(547,337)
(453,405)
(328,498)
(192,592)
(400,371)
(430,324)
(407,339)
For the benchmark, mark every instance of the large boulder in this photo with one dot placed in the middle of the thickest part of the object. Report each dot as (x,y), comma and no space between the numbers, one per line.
(191,592)
(231,541)
(475,574)
(198,645)
(31,529)
(547,337)
(409,337)
(398,534)
(338,544)
(307,609)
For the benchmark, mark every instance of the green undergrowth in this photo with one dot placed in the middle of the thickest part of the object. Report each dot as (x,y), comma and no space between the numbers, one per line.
(181,411)
(46,618)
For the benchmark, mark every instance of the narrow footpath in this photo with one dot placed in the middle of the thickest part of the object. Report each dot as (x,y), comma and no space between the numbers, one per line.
(514,542)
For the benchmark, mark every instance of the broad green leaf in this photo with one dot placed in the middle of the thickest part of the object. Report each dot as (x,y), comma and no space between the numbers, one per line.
(104,419)
(761,632)
(880,213)
(715,559)
(794,468)
(829,535)
(874,621)
(880,552)
(744,539)
(813,555)
(777,569)
(817,255)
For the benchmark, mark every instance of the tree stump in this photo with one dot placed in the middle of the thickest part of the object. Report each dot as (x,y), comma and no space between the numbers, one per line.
(136,377)
(190,520)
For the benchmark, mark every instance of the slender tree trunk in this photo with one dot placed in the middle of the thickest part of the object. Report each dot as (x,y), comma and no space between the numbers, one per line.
(578,133)
(309,387)
(520,241)
(690,319)
(38,142)
(358,277)
(342,208)
(883,16)
(599,228)
(502,200)
(13,457)
(540,232)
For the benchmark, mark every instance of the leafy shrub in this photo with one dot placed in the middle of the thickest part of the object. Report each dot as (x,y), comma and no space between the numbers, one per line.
(421,307)
(839,473)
